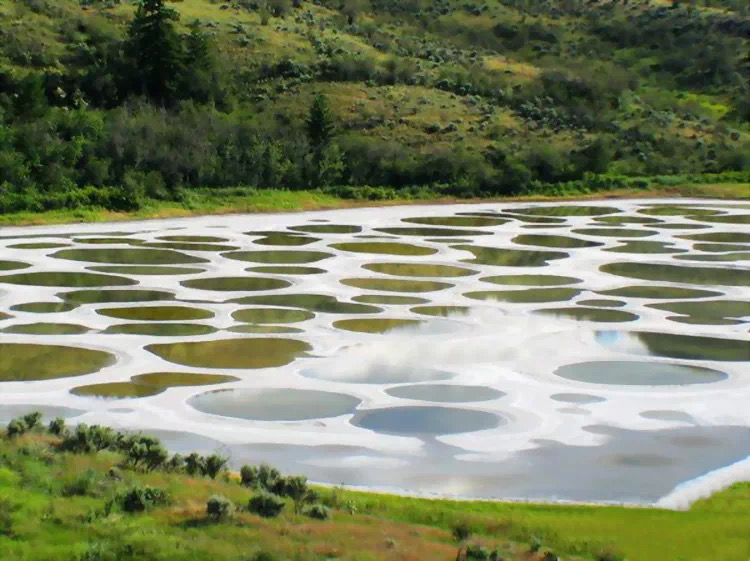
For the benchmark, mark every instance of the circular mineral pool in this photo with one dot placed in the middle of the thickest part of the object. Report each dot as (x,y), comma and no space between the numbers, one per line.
(418,270)
(377,374)
(44,307)
(278,257)
(604,315)
(236,284)
(374,325)
(47,329)
(67,279)
(426,421)
(385,248)
(396,285)
(457,221)
(389,299)
(526,296)
(157,313)
(442,311)
(274,404)
(445,393)
(565,210)
(232,353)
(313,302)
(548,240)
(577,398)
(272,315)
(161,329)
(637,373)
(21,362)
(116,390)
(129,256)
(509,257)
(327,229)
(672,345)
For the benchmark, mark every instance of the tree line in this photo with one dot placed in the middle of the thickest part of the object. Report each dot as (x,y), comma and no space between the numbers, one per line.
(155,113)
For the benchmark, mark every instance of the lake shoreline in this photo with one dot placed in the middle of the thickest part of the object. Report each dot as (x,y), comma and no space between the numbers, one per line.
(267,201)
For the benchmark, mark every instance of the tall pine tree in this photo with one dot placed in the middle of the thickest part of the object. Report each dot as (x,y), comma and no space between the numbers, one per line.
(155,51)
(320,124)
(325,163)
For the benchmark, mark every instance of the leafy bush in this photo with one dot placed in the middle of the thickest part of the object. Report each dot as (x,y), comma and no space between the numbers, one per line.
(175,464)
(318,512)
(266,504)
(215,464)
(32,420)
(264,556)
(461,532)
(140,499)
(80,485)
(249,475)
(16,428)
(57,426)
(144,452)
(478,552)
(219,508)
(7,509)
(195,464)
(268,477)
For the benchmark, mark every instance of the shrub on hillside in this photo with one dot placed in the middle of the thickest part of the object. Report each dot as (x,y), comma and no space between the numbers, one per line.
(16,427)
(32,420)
(266,504)
(249,475)
(215,464)
(461,532)
(57,426)
(140,499)
(318,512)
(268,477)
(80,485)
(219,508)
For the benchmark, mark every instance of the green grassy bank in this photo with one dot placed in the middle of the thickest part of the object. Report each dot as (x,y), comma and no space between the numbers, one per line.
(251,200)
(95,495)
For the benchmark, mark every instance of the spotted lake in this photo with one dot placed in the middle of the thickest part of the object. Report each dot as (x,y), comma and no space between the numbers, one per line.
(593,352)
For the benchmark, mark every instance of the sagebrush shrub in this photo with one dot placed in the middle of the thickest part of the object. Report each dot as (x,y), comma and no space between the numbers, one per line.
(318,512)
(266,504)
(219,507)
(139,499)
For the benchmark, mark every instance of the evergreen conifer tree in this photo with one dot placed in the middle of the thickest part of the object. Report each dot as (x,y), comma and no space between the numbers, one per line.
(155,51)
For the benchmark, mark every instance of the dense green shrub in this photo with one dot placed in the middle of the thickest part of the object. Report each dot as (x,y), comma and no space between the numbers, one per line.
(318,512)
(16,427)
(80,485)
(219,508)
(268,477)
(249,475)
(461,532)
(195,464)
(140,499)
(7,509)
(215,464)
(477,552)
(57,426)
(32,420)
(266,504)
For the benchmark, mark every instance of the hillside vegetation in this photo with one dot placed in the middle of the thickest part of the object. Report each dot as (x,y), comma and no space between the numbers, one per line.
(88,493)
(366,99)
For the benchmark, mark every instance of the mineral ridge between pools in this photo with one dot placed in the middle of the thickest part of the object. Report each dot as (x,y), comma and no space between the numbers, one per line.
(452,343)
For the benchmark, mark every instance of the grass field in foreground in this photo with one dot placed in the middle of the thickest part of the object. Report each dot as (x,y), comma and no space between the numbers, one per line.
(250,200)
(52,508)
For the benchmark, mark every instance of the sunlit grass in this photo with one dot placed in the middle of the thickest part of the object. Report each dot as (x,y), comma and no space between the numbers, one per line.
(48,526)
(249,200)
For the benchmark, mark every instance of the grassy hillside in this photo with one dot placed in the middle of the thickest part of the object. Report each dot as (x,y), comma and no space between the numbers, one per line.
(491,97)
(61,500)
